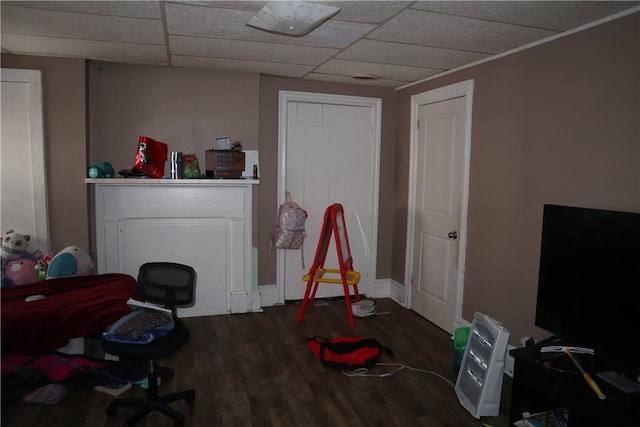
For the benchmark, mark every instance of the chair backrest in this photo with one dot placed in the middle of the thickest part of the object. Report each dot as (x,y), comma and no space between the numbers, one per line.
(166,283)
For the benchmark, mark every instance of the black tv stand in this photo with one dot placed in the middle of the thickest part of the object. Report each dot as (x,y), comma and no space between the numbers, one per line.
(552,340)
(538,387)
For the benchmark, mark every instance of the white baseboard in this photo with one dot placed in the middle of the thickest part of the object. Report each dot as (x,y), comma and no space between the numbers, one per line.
(255,301)
(381,288)
(268,294)
(398,293)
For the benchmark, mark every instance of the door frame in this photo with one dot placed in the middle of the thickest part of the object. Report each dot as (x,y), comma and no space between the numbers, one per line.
(462,89)
(322,98)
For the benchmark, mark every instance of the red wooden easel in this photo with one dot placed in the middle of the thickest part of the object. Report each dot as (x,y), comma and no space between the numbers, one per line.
(333,224)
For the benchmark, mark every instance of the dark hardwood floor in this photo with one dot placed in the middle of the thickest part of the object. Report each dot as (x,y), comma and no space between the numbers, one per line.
(256,370)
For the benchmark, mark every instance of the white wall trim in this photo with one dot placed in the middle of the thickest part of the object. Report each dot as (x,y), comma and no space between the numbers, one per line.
(285,97)
(33,78)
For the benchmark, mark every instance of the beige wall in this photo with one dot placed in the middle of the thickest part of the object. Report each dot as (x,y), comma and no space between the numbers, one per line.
(557,123)
(65,135)
(186,109)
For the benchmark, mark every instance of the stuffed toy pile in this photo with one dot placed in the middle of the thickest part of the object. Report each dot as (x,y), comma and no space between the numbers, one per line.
(20,266)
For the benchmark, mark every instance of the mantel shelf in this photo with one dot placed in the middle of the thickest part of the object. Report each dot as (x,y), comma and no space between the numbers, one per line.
(182,182)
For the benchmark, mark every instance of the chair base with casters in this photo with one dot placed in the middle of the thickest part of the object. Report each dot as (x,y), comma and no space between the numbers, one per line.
(153,402)
(168,284)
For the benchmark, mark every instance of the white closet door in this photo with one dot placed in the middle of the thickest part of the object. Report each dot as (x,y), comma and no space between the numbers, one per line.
(331,157)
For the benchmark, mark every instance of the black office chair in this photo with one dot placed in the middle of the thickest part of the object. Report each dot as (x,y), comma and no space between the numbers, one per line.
(170,285)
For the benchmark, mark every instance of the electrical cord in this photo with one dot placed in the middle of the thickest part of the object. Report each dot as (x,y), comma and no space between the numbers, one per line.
(364,372)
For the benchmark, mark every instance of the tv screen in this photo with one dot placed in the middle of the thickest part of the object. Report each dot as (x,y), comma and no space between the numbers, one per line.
(589,280)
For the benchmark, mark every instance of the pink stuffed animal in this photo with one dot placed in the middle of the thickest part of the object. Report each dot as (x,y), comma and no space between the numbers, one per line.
(21,271)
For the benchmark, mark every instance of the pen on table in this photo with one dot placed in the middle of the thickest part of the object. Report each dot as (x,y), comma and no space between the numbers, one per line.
(585,375)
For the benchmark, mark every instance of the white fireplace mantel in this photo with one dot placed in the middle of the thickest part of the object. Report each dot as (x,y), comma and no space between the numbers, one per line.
(205,223)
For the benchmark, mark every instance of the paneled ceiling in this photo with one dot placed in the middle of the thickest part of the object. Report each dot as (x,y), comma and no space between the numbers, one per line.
(399,42)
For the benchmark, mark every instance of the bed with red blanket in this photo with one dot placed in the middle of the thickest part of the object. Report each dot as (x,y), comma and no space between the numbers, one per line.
(73,307)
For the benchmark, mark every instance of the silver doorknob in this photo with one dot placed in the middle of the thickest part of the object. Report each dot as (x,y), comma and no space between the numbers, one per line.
(453,235)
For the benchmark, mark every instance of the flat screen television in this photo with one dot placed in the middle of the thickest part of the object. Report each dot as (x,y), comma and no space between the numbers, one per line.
(589,281)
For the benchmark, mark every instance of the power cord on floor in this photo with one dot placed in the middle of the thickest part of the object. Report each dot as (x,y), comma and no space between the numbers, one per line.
(364,372)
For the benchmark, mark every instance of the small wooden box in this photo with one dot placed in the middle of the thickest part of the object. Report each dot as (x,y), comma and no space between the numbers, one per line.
(224,163)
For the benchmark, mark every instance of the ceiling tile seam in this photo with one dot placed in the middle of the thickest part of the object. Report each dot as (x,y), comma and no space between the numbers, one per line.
(209,5)
(271,43)
(342,75)
(25,4)
(165,33)
(393,64)
(85,14)
(430,46)
(302,64)
(191,36)
(249,61)
(452,49)
(86,39)
(379,22)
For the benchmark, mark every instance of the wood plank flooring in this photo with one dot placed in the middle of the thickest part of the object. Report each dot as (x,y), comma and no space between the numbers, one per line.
(256,370)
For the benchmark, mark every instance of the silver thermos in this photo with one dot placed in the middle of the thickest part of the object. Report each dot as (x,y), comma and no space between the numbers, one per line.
(177,169)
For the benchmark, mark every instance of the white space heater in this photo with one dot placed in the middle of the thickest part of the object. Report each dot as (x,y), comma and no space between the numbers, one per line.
(479,382)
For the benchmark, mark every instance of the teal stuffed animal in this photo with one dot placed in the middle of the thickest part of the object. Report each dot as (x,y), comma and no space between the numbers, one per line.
(71,261)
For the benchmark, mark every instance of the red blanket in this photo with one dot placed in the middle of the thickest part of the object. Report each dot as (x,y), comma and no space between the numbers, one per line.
(73,307)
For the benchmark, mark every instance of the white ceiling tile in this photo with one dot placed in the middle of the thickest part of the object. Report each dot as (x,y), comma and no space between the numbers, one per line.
(453,32)
(38,22)
(551,15)
(251,5)
(132,9)
(257,51)
(399,40)
(73,48)
(188,20)
(336,34)
(406,54)
(373,12)
(230,24)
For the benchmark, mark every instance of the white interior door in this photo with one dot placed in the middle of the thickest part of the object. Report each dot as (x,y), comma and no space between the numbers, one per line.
(329,149)
(440,156)
(23,201)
